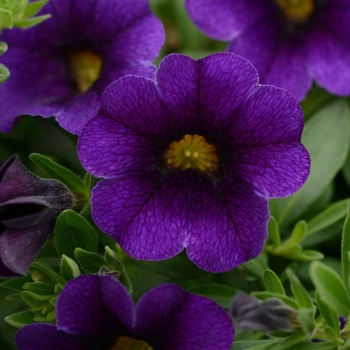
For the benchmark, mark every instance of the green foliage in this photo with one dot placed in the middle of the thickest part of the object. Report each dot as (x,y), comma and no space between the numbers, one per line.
(18,13)
(73,231)
(72,181)
(329,216)
(273,283)
(290,248)
(345,251)
(300,294)
(331,288)
(69,268)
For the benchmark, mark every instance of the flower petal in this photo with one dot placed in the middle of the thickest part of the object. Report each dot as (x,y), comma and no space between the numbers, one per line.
(20,246)
(269,116)
(171,318)
(225,19)
(47,337)
(228,225)
(329,60)
(275,170)
(142,213)
(96,307)
(128,132)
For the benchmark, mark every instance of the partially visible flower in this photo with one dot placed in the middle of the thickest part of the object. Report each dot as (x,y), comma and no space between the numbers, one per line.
(96,312)
(189,161)
(291,43)
(29,207)
(61,67)
(267,316)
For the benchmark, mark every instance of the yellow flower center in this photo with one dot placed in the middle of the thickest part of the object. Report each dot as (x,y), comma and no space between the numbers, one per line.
(126,343)
(192,152)
(296,11)
(85,68)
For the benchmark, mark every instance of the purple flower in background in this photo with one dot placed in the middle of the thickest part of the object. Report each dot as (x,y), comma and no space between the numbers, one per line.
(29,207)
(291,43)
(96,312)
(61,67)
(189,161)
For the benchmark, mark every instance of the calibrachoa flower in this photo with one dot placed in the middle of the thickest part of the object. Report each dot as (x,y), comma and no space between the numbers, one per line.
(97,312)
(61,67)
(189,161)
(29,207)
(291,43)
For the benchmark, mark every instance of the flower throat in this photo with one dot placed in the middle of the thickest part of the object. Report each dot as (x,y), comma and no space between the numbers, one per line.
(192,152)
(296,11)
(85,68)
(126,343)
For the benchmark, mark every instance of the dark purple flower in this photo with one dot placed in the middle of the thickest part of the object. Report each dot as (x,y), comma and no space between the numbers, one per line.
(190,160)
(97,313)
(61,67)
(29,207)
(291,43)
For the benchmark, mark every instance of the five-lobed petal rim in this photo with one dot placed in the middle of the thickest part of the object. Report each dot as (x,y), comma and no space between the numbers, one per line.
(124,34)
(313,47)
(222,221)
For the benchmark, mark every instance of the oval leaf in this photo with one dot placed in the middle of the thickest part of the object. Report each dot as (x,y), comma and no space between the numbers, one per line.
(330,288)
(73,231)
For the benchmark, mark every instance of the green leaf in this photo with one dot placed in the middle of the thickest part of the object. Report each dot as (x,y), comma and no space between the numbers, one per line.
(220,293)
(4,73)
(332,214)
(16,283)
(58,172)
(286,343)
(73,231)
(308,255)
(327,140)
(328,314)
(90,262)
(274,233)
(265,295)
(6,19)
(298,233)
(44,273)
(301,296)
(178,268)
(273,283)
(306,318)
(30,22)
(13,297)
(69,268)
(345,251)
(20,319)
(3,47)
(40,288)
(330,288)
(34,7)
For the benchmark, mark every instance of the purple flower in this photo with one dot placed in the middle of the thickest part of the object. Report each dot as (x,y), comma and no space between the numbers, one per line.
(189,161)
(29,207)
(97,312)
(291,43)
(61,67)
